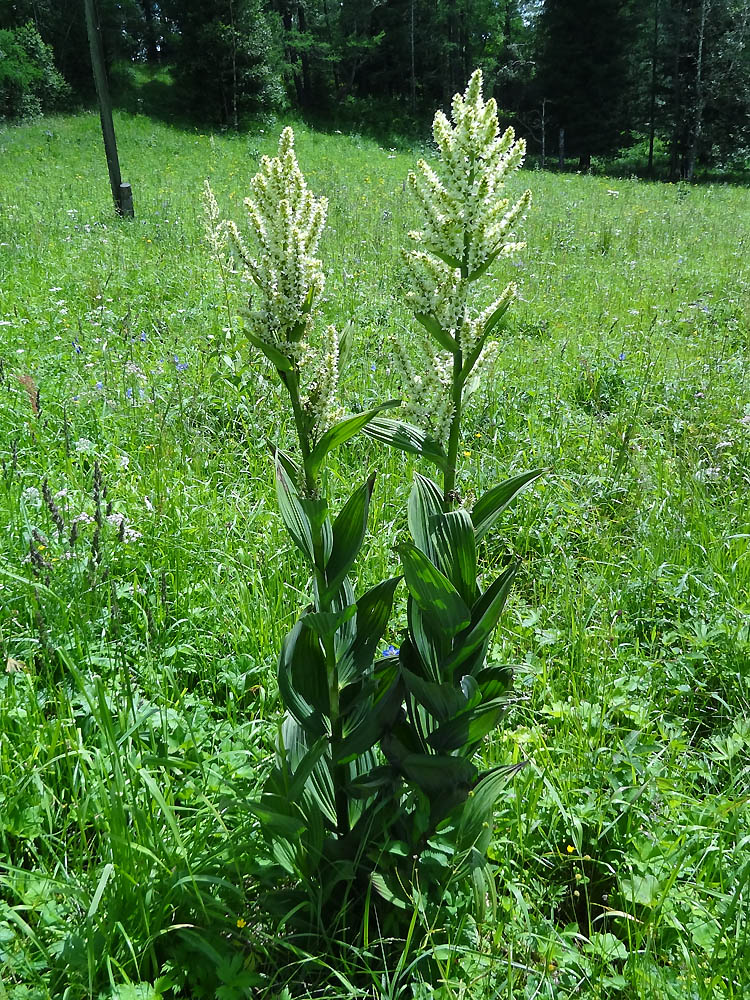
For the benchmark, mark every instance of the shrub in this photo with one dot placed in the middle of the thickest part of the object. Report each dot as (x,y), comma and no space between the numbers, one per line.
(29,82)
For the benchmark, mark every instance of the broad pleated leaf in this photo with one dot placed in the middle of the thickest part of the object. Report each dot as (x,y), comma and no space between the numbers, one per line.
(280,361)
(292,513)
(278,816)
(477,810)
(406,437)
(435,330)
(468,727)
(491,505)
(443,701)
(425,502)
(348,534)
(302,678)
(291,468)
(326,623)
(452,541)
(438,774)
(342,431)
(373,615)
(433,591)
(484,617)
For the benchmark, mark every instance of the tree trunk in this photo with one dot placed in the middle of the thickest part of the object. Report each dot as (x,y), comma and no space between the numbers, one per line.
(652,101)
(700,99)
(674,153)
(561,149)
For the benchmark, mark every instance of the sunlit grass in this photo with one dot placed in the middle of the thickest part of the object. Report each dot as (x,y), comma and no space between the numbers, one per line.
(138,703)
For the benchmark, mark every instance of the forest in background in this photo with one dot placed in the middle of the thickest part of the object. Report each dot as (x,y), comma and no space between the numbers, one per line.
(662,84)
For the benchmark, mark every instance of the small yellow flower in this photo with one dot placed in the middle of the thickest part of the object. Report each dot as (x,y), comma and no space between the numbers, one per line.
(467,454)
(241,922)
(570,849)
(478,435)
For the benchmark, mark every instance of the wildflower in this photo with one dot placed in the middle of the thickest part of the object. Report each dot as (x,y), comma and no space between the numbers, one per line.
(100,385)
(241,922)
(467,225)
(129,392)
(276,253)
(390,650)
(621,356)
(83,446)
(570,849)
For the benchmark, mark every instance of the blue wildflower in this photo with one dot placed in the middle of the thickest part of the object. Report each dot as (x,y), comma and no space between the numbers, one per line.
(142,337)
(373,367)
(99,385)
(129,392)
(390,650)
(622,356)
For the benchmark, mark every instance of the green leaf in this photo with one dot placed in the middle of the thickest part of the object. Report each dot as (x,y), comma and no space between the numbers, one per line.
(293,514)
(278,816)
(431,642)
(345,344)
(280,361)
(468,727)
(491,505)
(406,437)
(436,774)
(327,623)
(452,537)
(365,785)
(443,701)
(425,502)
(291,468)
(348,534)
(484,617)
(305,767)
(494,680)
(447,258)
(433,327)
(342,431)
(433,591)
(302,678)
(373,615)
(316,512)
(383,711)
(476,812)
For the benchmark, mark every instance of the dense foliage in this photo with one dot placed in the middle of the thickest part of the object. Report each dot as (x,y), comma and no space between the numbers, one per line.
(29,82)
(668,80)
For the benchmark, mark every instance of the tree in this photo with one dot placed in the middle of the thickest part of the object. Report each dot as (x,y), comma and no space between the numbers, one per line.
(583,72)
(227,57)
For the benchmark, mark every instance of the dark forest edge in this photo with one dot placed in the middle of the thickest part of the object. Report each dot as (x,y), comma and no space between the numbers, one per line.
(653,88)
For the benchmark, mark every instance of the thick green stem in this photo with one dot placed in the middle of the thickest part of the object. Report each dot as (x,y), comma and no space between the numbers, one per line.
(323,602)
(449,479)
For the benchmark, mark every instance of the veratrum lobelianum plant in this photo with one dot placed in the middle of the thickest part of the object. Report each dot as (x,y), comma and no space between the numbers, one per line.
(376,800)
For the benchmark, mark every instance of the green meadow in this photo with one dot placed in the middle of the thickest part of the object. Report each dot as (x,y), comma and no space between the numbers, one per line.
(138,695)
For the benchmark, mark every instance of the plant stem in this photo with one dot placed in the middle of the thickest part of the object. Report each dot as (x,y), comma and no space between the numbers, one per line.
(322,603)
(291,382)
(449,478)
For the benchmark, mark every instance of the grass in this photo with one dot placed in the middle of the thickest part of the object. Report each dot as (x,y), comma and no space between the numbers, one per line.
(138,700)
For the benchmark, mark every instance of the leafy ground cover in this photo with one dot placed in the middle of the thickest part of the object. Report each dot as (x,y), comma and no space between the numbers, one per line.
(138,703)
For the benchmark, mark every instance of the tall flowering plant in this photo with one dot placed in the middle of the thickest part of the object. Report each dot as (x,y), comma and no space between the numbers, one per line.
(467,225)
(377,786)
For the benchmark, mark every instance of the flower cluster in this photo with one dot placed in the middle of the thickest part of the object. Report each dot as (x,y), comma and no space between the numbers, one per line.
(467,224)
(285,221)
